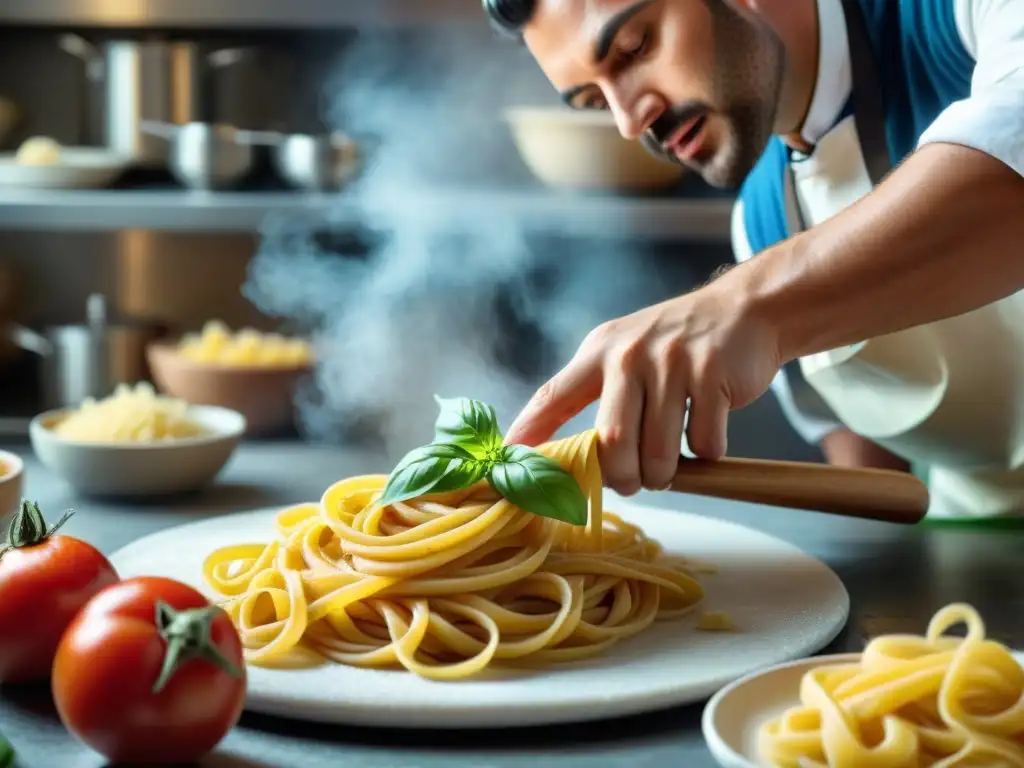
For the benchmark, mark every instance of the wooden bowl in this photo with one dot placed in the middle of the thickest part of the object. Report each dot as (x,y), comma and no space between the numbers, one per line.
(264,395)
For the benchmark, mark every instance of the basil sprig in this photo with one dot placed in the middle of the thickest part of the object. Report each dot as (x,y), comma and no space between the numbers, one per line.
(468,447)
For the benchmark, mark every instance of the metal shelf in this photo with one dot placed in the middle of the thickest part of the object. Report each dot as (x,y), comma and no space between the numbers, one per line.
(693,219)
(236,14)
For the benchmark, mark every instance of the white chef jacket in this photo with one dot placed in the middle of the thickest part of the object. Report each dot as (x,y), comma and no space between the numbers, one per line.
(991,120)
(976,445)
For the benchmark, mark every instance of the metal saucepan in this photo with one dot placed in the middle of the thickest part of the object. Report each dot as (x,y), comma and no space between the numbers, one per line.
(152,79)
(205,156)
(318,162)
(89,360)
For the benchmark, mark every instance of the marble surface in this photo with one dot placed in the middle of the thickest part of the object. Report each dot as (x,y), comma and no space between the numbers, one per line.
(897,577)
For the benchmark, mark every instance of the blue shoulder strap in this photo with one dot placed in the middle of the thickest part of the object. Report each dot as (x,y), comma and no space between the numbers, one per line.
(764,213)
(924,66)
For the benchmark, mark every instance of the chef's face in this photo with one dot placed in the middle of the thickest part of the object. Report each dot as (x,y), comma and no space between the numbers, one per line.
(696,80)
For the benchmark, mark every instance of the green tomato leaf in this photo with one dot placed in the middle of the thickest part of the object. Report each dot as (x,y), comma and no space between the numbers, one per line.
(469,424)
(539,485)
(433,468)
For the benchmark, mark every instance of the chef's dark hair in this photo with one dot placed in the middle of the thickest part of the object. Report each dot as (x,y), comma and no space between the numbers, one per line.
(510,16)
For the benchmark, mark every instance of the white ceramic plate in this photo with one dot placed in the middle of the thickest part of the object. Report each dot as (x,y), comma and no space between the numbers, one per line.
(785,604)
(79,167)
(734,715)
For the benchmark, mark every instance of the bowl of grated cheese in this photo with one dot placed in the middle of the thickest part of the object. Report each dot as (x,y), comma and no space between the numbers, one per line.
(136,443)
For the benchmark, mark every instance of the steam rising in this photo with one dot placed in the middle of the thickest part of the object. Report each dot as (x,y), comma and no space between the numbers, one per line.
(450,300)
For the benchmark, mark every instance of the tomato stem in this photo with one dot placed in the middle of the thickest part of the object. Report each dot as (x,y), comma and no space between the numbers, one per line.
(187,634)
(28,527)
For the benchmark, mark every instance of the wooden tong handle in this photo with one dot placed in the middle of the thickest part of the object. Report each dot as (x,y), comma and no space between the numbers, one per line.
(874,494)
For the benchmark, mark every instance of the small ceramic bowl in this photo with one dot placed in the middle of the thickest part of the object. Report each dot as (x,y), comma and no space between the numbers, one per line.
(140,469)
(264,395)
(583,151)
(12,482)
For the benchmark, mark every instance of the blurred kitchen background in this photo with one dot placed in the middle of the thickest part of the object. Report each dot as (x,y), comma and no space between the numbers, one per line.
(346,169)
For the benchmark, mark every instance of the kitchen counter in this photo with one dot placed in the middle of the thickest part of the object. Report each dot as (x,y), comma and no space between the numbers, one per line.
(897,577)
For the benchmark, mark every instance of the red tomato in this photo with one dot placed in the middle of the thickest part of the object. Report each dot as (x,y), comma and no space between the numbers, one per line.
(149,672)
(44,580)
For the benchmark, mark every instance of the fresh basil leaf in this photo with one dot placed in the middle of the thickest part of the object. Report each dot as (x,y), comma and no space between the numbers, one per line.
(470,424)
(539,485)
(433,468)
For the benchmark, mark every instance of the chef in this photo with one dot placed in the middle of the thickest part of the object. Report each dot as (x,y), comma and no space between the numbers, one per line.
(877,147)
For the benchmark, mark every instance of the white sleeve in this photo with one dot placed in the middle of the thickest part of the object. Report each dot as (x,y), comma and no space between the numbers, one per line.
(811,426)
(991,119)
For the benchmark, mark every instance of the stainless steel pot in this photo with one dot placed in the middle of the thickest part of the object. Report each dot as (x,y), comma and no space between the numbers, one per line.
(317,162)
(89,360)
(136,80)
(204,156)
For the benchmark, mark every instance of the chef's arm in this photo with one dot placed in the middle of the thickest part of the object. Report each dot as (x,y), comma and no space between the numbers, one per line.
(942,235)
(809,415)
(843,448)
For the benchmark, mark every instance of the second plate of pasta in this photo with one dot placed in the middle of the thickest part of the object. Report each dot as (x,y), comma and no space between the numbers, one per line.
(934,699)
(673,607)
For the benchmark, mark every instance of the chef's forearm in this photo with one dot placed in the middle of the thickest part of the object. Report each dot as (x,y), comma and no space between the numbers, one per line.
(942,235)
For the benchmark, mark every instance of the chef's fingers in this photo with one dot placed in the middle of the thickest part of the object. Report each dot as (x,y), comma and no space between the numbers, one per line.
(566,394)
(618,425)
(707,424)
(662,431)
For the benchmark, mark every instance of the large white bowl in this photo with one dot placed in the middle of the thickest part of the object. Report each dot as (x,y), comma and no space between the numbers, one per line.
(584,151)
(140,469)
(12,480)
(78,168)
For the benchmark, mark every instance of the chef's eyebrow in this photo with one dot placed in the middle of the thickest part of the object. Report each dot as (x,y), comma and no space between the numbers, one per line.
(604,40)
(606,35)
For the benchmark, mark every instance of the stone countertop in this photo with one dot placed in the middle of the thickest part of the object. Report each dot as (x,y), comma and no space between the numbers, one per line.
(897,578)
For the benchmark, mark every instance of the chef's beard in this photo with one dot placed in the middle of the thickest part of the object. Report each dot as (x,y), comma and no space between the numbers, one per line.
(747,80)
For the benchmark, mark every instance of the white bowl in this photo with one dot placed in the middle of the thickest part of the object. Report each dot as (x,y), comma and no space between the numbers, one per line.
(140,469)
(78,168)
(584,151)
(734,715)
(12,482)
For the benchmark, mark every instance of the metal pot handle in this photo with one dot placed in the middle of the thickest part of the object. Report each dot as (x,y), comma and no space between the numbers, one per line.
(163,130)
(81,48)
(226,57)
(29,340)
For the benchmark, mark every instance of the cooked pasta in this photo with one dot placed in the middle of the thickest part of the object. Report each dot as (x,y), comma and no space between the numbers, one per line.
(130,415)
(450,584)
(935,700)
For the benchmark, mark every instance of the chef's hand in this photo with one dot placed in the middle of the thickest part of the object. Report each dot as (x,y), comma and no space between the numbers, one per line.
(705,346)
